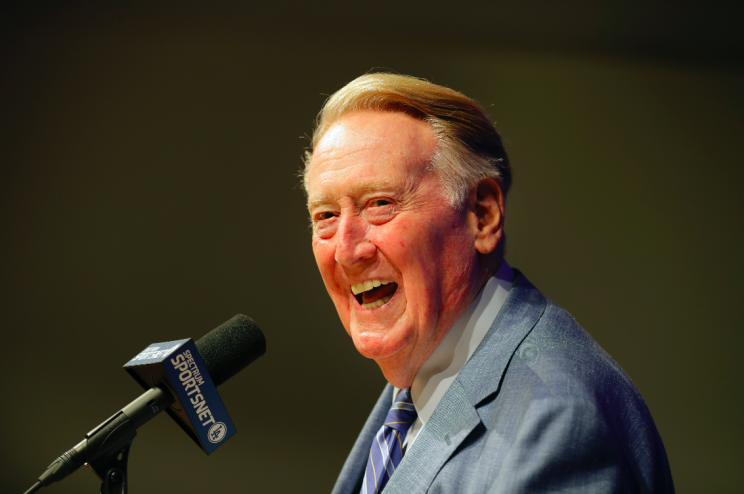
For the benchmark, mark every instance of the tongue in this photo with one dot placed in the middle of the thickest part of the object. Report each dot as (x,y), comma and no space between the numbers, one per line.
(381,291)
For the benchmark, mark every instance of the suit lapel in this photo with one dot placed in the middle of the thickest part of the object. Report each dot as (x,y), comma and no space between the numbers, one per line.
(482,374)
(350,479)
(451,422)
(456,416)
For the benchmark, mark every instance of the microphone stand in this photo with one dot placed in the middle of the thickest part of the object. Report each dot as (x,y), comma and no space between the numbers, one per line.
(105,449)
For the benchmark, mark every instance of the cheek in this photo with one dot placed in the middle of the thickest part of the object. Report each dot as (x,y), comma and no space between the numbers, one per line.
(400,238)
(446,257)
(324,258)
(458,266)
(419,256)
(323,253)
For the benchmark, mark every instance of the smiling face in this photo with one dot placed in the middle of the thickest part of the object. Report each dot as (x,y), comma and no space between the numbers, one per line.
(399,262)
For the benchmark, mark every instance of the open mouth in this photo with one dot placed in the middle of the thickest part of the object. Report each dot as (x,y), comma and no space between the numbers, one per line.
(373,293)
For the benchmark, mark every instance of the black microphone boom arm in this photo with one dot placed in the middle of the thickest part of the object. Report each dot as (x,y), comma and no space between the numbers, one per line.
(105,449)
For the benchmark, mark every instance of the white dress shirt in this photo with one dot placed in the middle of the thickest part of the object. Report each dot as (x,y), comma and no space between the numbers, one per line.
(435,377)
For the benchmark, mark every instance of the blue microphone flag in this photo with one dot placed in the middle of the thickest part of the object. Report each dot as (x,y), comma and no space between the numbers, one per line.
(198,408)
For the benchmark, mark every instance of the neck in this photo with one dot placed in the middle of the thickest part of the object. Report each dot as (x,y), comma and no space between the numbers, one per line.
(400,369)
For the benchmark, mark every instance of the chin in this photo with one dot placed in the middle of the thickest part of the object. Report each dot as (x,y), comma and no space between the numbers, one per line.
(380,345)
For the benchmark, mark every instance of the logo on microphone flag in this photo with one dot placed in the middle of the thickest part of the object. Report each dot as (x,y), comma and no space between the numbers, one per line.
(217,432)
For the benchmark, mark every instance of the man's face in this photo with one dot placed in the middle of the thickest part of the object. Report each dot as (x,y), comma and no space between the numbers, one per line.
(380,218)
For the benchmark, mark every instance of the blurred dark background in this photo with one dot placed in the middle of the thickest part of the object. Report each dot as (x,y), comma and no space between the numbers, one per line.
(149,153)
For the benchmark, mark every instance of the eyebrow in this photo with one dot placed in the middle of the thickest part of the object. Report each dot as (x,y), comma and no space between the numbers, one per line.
(356,190)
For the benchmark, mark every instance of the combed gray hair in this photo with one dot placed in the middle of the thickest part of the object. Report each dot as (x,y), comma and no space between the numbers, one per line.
(470,148)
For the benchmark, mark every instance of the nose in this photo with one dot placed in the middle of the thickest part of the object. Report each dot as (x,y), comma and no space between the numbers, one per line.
(352,245)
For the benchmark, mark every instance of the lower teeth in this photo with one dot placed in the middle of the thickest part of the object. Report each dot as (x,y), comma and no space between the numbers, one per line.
(376,303)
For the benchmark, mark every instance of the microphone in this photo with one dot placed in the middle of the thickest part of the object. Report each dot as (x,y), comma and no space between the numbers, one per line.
(224,351)
(231,347)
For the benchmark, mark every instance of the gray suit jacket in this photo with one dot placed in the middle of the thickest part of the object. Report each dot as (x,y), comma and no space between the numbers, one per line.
(539,407)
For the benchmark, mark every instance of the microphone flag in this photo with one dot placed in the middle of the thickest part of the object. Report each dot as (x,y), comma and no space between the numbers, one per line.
(198,408)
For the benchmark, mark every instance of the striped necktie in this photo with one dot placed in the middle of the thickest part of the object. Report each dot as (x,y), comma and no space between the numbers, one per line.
(387,447)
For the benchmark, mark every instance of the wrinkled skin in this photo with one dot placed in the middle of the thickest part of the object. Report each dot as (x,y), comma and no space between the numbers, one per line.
(378,213)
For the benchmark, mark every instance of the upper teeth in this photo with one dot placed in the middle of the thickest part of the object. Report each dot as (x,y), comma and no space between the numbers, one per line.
(365,286)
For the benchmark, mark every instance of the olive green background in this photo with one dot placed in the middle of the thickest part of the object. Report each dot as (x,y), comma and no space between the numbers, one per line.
(149,155)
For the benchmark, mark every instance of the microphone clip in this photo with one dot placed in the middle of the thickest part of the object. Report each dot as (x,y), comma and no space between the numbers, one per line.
(113,471)
(108,448)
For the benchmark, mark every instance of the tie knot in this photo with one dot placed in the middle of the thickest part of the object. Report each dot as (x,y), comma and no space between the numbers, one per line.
(402,414)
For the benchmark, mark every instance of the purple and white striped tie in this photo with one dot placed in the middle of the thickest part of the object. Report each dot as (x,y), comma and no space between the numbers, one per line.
(387,447)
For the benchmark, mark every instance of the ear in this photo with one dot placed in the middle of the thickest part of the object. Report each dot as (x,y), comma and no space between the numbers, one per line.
(487,204)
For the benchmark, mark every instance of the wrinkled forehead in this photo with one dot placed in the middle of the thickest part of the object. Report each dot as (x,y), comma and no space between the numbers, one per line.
(388,146)
(393,132)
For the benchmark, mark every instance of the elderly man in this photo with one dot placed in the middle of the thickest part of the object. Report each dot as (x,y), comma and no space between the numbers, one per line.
(492,387)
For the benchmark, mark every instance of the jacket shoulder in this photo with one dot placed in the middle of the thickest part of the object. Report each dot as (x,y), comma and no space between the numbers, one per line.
(559,351)
(558,372)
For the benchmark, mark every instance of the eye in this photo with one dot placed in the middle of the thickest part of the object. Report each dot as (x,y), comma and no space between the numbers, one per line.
(380,210)
(324,223)
(323,216)
(380,202)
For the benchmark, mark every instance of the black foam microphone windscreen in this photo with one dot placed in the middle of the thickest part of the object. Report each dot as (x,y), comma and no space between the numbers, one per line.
(229,348)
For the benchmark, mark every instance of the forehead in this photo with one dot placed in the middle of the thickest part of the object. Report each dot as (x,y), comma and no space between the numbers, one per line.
(370,149)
